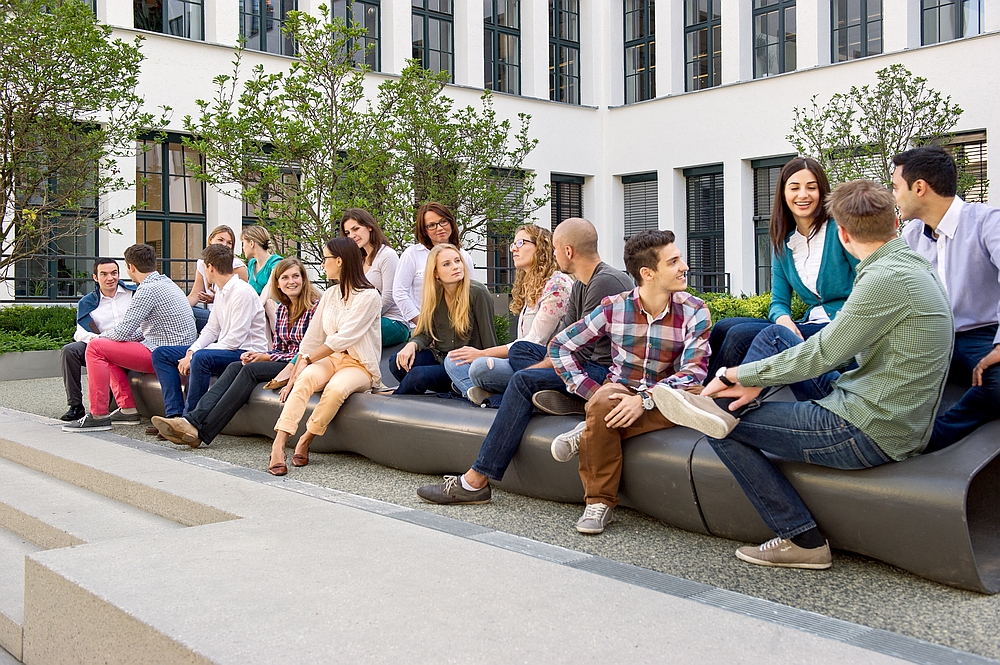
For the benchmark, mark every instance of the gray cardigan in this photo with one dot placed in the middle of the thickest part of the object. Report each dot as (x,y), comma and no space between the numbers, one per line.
(482,334)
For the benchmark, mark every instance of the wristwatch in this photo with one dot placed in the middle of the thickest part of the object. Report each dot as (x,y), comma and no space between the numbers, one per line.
(647,400)
(305,356)
(721,376)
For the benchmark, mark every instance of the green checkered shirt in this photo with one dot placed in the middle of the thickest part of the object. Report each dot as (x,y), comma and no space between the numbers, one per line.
(897,324)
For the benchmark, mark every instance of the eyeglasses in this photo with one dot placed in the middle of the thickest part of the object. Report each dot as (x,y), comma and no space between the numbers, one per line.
(517,244)
(441,223)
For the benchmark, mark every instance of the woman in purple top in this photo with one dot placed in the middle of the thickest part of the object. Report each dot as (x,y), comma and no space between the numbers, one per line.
(297,299)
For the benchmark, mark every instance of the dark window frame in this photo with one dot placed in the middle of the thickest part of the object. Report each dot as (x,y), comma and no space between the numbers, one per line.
(371,57)
(958,11)
(567,197)
(640,85)
(713,277)
(259,17)
(426,15)
(763,200)
(160,23)
(840,52)
(493,33)
(564,87)
(762,8)
(712,27)
(639,220)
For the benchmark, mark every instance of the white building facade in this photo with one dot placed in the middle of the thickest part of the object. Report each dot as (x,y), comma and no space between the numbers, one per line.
(671,115)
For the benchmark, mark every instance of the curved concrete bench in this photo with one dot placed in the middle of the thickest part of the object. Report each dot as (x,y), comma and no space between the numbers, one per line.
(936,515)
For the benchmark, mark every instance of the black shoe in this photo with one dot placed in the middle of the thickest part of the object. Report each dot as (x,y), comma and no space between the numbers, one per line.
(74,413)
(89,424)
(556,403)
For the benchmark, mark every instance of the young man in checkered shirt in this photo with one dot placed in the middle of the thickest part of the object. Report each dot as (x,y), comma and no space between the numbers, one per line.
(659,337)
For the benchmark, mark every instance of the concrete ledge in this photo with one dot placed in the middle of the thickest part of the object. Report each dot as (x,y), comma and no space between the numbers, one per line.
(30,365)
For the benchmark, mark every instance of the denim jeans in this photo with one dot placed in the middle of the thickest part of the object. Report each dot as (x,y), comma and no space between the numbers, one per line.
(478,373)
(523,355)
(201,315)
(425,374)
(508,427)
(802,431)
(731,339)
(979,404)
(228,394)
(205,363)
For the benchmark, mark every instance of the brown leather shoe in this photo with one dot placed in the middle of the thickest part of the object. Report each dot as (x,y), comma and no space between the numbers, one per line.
(152,430)
(278,469)
(300,460)
(177,430)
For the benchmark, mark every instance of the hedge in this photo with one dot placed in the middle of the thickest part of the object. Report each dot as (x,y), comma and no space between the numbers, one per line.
(724,305)
(30,328)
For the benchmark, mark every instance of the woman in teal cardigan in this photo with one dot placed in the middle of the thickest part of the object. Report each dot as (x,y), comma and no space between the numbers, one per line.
(806,258)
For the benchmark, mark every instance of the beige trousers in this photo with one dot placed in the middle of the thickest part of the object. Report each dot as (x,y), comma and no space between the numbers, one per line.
(338,375)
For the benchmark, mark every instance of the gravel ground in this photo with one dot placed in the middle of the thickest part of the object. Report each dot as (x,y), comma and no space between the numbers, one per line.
(856,589)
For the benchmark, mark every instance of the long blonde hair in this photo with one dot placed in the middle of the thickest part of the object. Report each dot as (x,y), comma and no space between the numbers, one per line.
(433,291)
(307,297)
(529,283)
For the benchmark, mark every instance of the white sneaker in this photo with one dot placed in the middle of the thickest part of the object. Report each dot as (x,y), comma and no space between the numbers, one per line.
(567,446)
(596,516)
(695,411)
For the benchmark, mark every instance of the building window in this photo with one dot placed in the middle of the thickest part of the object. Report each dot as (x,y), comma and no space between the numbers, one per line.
(502,45)
(564,51)
(257,215)
(500,270)
(433,30)
(773,37)
(261,22)
(567,197)
(702,44)
(969,151)
(363,14)
(706,229)
(640,203)
(857,29)
(943,20)
(182,18)
(171,214)
(640,50)
(765,179)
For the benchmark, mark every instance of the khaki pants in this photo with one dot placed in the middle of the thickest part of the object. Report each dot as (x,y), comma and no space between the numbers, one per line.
(338,376)
(601,446)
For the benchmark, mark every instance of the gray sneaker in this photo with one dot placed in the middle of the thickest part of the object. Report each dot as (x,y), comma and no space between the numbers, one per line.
(89,424)
(451,491)
(786,554)
(567,446)
(119,418)
(695,411)
(478,396)
(596,516)
(556,403)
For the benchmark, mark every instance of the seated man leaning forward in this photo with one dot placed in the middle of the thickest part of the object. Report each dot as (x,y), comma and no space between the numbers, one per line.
(101,309)
(575,242)
(897,325)
(158,314)
(236,325)
(659,337)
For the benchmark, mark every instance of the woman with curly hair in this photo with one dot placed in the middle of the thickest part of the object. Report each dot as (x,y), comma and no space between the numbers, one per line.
(455,312)
(539,296)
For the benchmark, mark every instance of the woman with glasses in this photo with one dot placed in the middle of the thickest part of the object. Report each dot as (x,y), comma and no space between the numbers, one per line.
(539,296)
(381,262)
(435,226)
(455,312)
(338,355)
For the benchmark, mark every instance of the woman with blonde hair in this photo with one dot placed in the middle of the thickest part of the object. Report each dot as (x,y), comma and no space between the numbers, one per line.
(297,299)
(260,260)
(202,295)
(539,297)
(455,312)
(339,354)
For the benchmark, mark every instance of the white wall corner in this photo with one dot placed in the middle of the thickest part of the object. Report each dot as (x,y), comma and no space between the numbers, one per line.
(468,44)
(397,38)
(535,49)
(670,65)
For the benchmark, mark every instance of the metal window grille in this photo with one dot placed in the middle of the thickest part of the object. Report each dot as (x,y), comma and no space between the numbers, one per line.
(433,29)
(944,20)
(765,179)
(502,45)
(640,50)
(499,262)
(969,150)
(567,197)
(564,51)
(773,37)
(706,229)
(364,14)
(641,210)
(702,44)
(856,29)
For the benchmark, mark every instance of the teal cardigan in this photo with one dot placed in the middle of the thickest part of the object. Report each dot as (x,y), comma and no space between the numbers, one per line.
(836,278)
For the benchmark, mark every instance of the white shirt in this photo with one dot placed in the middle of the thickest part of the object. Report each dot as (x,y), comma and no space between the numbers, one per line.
(409,280)
(236,322)
(382,274)
(945,233)
(807,253)
(108,314)
(200,267)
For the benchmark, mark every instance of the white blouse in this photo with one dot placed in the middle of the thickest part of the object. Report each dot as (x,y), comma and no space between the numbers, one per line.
(807,254)
(354,327)
(409,280)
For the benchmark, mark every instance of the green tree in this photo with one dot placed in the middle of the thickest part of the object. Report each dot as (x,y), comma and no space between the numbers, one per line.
(856,134)
(68,109)
(301,146)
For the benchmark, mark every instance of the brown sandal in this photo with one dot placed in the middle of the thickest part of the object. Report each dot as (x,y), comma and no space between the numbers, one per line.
(300,460)
(277,469)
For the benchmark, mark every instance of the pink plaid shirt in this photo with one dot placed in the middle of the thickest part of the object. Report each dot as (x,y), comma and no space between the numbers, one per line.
(287,340)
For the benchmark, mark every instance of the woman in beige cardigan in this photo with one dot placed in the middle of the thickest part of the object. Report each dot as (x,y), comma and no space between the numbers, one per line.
(338,355)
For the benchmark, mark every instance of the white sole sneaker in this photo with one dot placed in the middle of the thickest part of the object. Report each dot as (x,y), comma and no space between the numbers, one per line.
(678,407)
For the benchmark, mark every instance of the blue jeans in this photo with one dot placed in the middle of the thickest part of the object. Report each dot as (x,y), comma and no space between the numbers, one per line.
(201,315)
(425,374)
(508,427)
(205,364)
(802,431)
(523,355)
(731,339)
(979,404)
(478,373)
(228,395)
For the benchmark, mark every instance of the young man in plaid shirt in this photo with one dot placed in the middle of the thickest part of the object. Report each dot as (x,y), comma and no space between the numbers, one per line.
(659,336)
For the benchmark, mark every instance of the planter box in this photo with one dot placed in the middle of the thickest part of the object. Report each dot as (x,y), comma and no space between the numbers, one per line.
(29,365)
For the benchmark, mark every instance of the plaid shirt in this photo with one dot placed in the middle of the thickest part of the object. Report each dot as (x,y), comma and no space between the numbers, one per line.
(287,340)
(670,348)
(159,315)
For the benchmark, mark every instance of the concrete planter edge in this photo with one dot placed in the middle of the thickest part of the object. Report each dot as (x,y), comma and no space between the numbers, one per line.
(29,365)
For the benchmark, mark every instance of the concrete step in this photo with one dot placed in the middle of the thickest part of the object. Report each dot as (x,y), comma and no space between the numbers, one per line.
(53,513)
(13,549)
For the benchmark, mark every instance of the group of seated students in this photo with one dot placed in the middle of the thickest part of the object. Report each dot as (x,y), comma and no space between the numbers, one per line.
(887,318)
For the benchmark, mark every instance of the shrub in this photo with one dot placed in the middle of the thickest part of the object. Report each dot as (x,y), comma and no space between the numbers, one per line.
(11,342)
(501,325)
(725,305)
(53,325)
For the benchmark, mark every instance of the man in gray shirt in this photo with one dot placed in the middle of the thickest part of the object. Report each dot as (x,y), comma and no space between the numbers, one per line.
(962,241)
(575,242)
